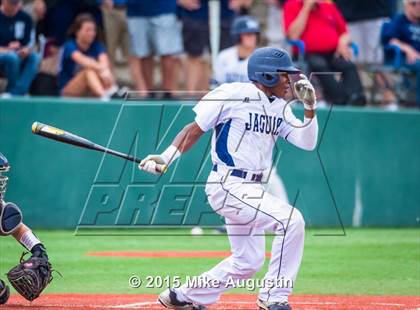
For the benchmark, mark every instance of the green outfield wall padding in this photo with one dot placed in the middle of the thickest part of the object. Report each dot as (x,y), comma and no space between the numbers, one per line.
(365,172)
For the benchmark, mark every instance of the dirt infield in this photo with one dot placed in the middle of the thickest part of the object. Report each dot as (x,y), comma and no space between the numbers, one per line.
(228,302)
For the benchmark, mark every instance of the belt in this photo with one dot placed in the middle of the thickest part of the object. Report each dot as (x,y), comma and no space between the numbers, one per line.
(255,177)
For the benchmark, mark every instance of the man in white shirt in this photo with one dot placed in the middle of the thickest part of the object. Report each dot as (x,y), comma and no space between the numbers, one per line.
(247,119)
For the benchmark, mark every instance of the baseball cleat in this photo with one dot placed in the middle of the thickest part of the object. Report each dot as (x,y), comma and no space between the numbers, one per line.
(266,305)
(169,300)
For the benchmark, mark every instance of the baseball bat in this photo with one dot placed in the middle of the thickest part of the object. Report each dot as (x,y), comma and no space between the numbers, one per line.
(60,135)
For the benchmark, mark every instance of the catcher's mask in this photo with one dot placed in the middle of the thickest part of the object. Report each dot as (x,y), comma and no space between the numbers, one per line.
(4,167)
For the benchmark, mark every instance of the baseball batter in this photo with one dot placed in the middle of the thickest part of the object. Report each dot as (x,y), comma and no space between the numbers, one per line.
(31,276)
(247,119)
(231,66)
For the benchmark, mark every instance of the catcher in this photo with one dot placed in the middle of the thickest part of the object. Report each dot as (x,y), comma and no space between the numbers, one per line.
(31,276)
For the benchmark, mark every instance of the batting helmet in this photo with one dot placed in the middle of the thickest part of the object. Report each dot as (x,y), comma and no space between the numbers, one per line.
(265,62)
(244,24)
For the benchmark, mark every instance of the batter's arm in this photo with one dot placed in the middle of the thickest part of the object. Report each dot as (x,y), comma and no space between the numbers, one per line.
(183,141)
(304,134)
(187,137)
(305,137)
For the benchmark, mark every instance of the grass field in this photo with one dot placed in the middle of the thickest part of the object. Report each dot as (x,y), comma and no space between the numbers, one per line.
(364,262)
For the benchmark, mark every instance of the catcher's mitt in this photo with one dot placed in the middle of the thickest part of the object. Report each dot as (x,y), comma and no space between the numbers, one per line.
(31,276)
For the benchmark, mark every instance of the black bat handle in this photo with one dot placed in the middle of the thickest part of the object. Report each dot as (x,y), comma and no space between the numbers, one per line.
(134,159)
(119,154)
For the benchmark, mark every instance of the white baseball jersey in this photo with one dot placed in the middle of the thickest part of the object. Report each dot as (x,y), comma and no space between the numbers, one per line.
(229,68)
(246,125)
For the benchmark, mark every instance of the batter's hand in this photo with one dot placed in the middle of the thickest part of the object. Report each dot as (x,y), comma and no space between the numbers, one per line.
(305,92)
(154,164)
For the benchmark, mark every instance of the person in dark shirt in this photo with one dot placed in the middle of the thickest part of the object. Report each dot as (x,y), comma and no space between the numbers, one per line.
(365,20)
(56,17)
(18,62)
(85,67)
(154,31)
(404,31)
(196,36)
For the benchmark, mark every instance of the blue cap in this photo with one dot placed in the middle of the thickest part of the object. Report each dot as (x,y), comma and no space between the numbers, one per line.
(244,24)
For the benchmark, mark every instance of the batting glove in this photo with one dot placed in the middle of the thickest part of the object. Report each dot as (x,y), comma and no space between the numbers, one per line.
(305,92)
(158,164)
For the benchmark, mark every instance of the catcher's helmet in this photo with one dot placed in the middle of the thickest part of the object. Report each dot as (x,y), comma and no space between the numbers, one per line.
(244,24)
(4,164)
(265,62)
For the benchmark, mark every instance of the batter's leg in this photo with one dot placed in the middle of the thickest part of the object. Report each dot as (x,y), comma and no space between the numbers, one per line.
(249,211)
(286,250)
(250,204)
(248,254)
(275,186)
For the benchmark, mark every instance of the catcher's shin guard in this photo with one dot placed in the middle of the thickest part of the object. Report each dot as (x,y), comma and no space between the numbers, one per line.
(10,218)
(4,293)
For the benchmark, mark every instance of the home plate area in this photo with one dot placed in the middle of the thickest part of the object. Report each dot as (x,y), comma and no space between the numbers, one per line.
(227,302)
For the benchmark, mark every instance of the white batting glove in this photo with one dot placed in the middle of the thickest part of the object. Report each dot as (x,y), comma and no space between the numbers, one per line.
(305,92)
(153,164)
(158,164)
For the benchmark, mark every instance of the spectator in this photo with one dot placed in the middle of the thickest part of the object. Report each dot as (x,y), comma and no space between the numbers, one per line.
(18,61)
(85,67)
(404,31)
(365,20)
(196,35)
(154,30)
(275,35)
(56,16)
(114,14)
(231,63)
(324,31)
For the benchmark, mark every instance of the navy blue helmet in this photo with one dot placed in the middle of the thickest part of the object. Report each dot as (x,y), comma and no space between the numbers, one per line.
(244,24)
(266,62)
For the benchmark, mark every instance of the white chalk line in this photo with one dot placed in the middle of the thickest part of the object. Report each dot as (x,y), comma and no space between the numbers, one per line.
(139,305)
(313,303)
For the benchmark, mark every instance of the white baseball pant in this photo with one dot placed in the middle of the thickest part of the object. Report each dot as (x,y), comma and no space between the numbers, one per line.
(249,211)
